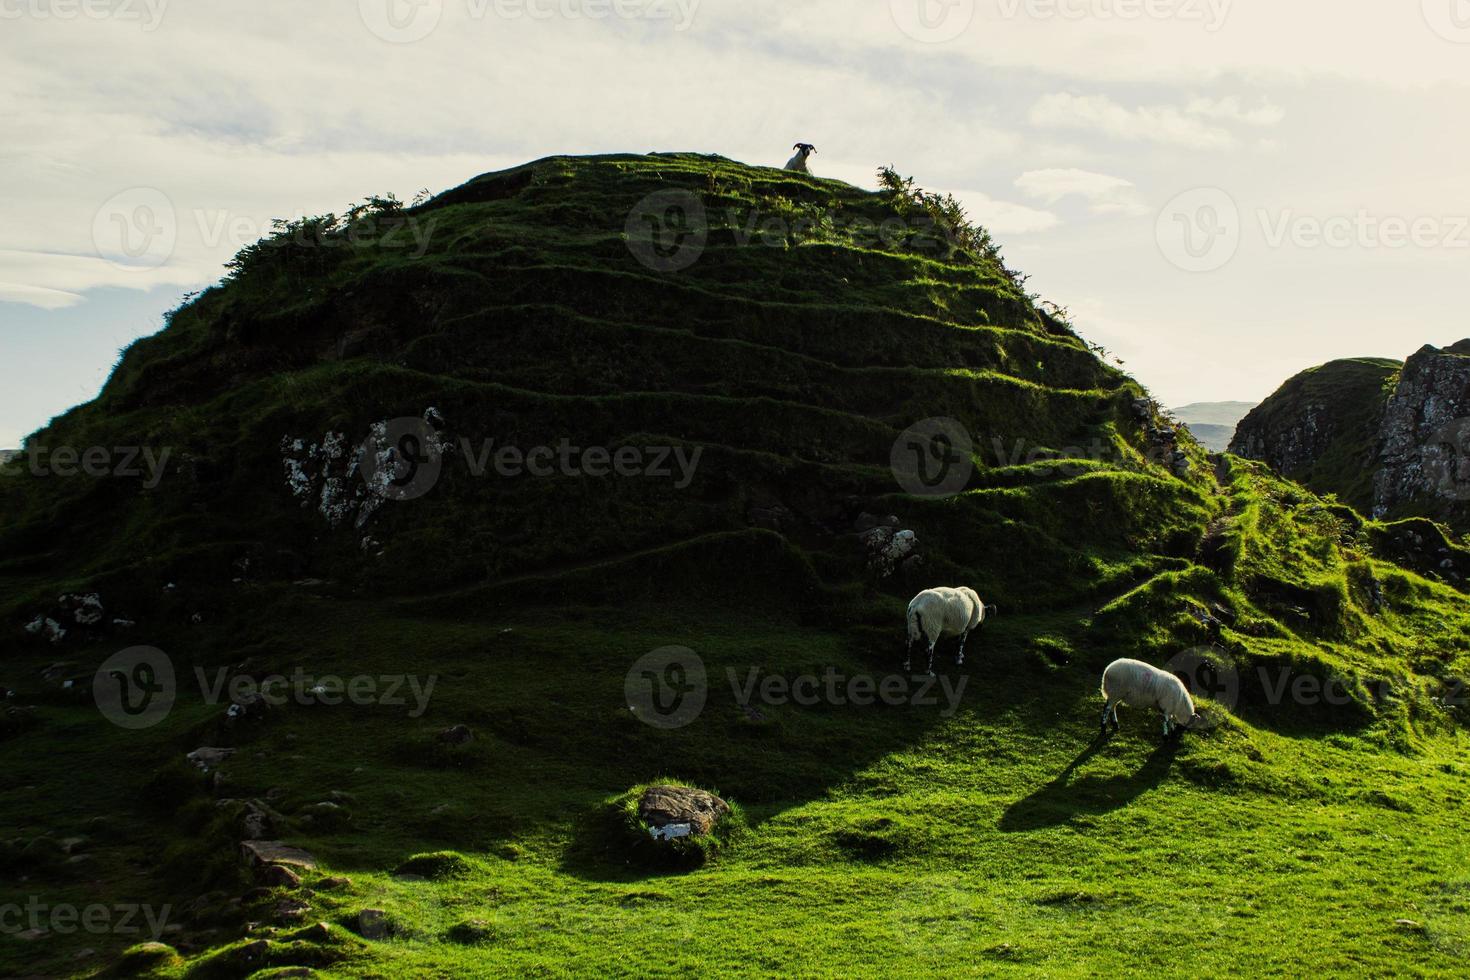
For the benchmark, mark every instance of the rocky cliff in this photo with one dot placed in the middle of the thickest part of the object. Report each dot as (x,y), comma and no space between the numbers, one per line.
(1383,436)
(1422,459)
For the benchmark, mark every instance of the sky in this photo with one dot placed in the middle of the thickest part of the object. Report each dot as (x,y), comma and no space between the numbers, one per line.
(1220,192)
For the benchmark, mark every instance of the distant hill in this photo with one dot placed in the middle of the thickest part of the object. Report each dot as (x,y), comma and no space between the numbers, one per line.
(1215,438)
(1213,423)
(1385,436)
(1214,413)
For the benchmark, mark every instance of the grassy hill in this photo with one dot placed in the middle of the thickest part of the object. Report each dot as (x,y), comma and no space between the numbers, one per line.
(1321,427)
(790,330)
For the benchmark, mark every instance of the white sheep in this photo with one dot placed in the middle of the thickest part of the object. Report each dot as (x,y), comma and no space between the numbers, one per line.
(798,162)
(937,613)
(1145,686)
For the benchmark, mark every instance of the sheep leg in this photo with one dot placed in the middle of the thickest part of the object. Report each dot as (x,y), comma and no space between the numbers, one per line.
(1107,706)
(963,637)
(931,658)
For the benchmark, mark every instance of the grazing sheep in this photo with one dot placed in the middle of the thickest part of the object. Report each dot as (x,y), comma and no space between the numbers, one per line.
(798,162)
(937,613)
(1144,686)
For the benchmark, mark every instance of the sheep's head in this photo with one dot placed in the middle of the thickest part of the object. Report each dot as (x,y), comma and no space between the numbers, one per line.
(806,149)
(991,611)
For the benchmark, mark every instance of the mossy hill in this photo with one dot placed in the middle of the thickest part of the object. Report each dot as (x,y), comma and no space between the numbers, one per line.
(1388,437)
(1320,428)
(559,304)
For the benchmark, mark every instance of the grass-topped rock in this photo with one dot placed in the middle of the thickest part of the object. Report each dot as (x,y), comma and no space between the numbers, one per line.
(435,866)
(668,824)
(147,959)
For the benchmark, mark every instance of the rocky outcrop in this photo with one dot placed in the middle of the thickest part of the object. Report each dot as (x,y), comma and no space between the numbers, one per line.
(1321,427)
(1424,438)
(682,810)
(1391,440)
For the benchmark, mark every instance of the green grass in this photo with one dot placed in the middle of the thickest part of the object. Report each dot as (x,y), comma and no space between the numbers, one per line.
(980,831)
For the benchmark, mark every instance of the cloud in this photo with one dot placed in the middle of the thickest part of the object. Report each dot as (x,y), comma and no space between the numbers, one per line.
(1152,124)
(1004,217)
(39,296)
(1230,109)
(1104,41)
(1104,194)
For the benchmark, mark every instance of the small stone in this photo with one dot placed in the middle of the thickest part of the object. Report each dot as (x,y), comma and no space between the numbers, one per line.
(207,759)
(372,924)
(255,951)
(318,933)
(458,735)
(291,910)
(275,852)
(280,876)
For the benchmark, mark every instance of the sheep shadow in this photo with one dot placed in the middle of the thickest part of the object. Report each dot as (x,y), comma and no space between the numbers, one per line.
(1063,799)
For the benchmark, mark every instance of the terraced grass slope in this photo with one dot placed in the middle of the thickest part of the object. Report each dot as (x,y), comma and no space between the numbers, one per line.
(788,330)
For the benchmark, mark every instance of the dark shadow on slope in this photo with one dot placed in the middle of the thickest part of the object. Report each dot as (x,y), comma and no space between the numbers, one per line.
(1062,799)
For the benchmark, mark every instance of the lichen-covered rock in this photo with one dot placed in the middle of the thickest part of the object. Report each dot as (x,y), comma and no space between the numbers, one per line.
(339,479)
(888,548)
(85,610)
(1424,459)
(663,806)
(46,628)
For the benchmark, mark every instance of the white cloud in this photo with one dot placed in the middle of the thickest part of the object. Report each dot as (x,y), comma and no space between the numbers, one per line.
(1004,217)
(1104,194)
(46,299)
(1191,41)
(1153,124)
(1230,108)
